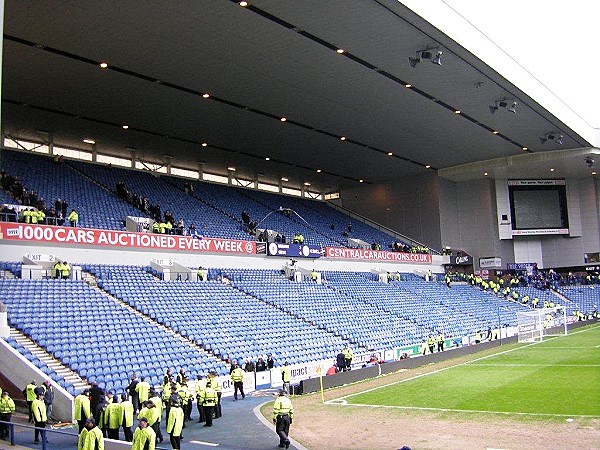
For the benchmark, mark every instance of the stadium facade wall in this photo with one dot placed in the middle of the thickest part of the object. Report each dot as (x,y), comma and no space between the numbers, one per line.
(413,204)
(469,221)
(102,255)
(21,372)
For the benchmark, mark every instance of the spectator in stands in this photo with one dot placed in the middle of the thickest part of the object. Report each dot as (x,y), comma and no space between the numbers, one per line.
(261,366)
(180,228)
(7,407)
(73,218)
(332,370)
(245,217)
(270,362)
(249,366)
(349,228)
(169,218)
(478,337)
(8,214)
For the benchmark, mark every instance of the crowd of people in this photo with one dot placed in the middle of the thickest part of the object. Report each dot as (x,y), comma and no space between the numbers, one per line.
(39,212)
(104,414)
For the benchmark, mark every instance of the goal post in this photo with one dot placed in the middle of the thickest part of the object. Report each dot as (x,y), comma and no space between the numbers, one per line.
(534,325)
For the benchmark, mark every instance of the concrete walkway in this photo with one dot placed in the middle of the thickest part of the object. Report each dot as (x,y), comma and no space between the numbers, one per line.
(242,427)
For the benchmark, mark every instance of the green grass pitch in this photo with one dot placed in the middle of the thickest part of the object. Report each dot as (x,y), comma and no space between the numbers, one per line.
(557,377)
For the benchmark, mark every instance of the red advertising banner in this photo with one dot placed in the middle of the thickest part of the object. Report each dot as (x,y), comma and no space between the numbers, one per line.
(21,232)
(357,253)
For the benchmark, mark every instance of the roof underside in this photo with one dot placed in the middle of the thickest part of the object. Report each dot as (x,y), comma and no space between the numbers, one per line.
(270,60)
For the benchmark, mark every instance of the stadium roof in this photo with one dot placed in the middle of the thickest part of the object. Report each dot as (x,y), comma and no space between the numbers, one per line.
(336,71)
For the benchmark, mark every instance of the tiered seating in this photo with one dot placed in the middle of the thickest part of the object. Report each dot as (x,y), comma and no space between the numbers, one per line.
(215,210)
(208,220)
(362,324)
(585,299)
(97,207)
(12,267)
(432,306)
(37,362)
(221,319)
(94,335)
(543,295)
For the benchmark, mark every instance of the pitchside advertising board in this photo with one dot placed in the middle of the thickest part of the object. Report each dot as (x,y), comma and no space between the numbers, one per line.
(377,255)
(45,234)
(294,250)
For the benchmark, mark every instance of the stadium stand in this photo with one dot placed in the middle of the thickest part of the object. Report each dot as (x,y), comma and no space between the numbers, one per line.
(63,317)
(97,207)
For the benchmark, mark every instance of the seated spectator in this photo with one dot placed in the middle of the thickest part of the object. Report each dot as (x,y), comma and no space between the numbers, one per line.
(261,365)
(179,229)
(245,217)
(332,370)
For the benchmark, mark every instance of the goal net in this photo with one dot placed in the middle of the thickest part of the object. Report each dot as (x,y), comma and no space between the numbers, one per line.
(536,324)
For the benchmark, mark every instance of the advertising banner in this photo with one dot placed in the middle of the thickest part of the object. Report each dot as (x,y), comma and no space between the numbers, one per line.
(494,262)
(294,250)
(378,255)
(26,233)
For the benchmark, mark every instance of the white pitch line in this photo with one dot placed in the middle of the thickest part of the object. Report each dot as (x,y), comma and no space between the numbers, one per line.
(511,413)
(535,365)
(428,373)
(336,401)
(208,444)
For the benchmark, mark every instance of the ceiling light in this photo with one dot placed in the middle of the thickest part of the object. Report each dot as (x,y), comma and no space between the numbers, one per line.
(390,154)
(340,50)
(594,172)
(243,4)
(283,119)
(343,138)
(205,144)
(428,166)
(525,148)
(457,111)
(284,179)
(306,183)
(318,170)
(485,174)
(103,65)
(513,107)
(205,95)
(361,181)
(495,132)
(408,85)
(125,127)
(231,168)
(267,159)
(552,170)
(89,141)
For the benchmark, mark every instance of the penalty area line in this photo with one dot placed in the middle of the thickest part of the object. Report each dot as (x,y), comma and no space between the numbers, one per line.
(477,411)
